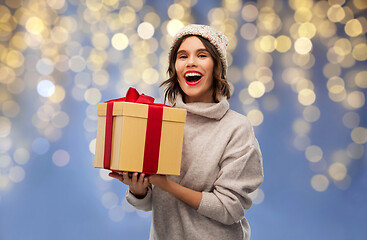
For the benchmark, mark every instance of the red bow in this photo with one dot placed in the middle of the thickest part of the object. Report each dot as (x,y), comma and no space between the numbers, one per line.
(133,95)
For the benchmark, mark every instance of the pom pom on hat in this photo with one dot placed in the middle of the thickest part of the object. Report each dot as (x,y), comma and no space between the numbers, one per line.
(215,37)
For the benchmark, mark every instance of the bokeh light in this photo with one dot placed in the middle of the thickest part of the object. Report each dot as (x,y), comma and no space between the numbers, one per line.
(35,25)
(256,89)
(257,196)
(256,117)
(16,174)
(337,171)
(303,45)
(311,113)
(306,97)
(110,200)
(5,161)
(359,135)
(314,153)
(119,41)
(45,88)
(145,30)
(355,151)
(45,66)
(353,28)
(173,26)
(61,158)
(320,182)
(21,156)
(5,127)
(104,175)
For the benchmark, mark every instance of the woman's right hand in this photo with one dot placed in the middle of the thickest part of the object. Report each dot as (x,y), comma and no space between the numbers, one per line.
(137,185)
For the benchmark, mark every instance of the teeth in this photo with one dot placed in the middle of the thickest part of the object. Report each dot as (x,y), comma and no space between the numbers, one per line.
(192,74)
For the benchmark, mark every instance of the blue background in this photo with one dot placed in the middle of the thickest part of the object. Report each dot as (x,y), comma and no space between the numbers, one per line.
(54,202)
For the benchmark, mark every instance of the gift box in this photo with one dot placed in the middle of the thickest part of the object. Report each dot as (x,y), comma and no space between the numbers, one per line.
(136,135)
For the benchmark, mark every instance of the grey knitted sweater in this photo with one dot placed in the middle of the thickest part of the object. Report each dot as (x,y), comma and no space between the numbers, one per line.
(221,158)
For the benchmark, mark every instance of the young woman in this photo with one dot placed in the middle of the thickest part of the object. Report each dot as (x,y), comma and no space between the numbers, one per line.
(221,158)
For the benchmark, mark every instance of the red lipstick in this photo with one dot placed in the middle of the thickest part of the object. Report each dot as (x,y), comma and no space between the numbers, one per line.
(192,77)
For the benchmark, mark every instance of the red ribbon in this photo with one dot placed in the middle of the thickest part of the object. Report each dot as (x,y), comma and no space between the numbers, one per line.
(153,133)
(152,139)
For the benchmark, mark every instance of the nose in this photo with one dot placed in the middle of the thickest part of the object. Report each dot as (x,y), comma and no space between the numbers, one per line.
(191,61)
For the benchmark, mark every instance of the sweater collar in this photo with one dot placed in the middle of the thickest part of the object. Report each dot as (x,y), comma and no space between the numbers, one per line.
(209,110)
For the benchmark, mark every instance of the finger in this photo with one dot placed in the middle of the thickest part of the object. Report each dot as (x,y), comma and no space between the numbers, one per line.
(135,177)
(141,178)
(114,175)
(127,180)
(145,182)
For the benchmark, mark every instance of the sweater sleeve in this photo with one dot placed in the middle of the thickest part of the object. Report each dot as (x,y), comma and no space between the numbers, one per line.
(144,204)
(241,173)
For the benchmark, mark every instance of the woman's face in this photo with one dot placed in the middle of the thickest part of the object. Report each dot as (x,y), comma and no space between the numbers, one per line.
(194,68)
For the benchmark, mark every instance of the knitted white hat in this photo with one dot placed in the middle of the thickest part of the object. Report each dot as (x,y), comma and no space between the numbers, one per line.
(215,37)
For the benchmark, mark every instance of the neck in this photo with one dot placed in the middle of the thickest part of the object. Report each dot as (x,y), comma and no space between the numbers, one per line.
(208,99)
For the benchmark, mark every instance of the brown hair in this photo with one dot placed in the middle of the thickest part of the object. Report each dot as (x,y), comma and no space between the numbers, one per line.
(220,84)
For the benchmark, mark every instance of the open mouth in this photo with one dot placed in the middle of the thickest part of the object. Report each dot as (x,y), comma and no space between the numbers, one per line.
(193,78)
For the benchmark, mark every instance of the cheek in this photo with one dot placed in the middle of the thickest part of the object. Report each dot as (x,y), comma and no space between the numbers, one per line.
(209,66)
(210,83)
(178,66)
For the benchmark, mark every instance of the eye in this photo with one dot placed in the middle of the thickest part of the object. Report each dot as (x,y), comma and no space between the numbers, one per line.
(202,55)
(182,56)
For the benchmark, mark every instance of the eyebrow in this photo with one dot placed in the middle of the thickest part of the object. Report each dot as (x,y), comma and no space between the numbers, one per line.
(199,50)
